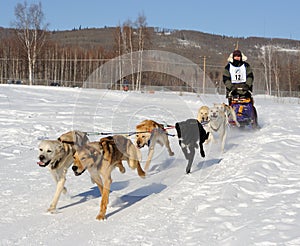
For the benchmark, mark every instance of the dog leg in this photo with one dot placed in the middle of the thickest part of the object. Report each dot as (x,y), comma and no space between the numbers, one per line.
(150,155)
(59,188)
(190,158)
(140,171)
(223,137)
(233,116)
(136,164)
(171,153)
(105,198)
(121,167)
(236,122)
(202,150)
(184,150)
(98,181)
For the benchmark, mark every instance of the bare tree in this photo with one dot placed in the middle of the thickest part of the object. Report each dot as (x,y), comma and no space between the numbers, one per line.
(267,56)
(276,70)
(128,33)
(30,32)
(141,26)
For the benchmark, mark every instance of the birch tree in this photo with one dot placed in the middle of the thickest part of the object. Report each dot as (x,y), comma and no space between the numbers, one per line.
(141,25)
(267,56)
(276,69)
(30,32)
(128,32)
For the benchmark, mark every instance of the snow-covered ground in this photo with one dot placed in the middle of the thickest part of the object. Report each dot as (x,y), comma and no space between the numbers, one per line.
(250,195)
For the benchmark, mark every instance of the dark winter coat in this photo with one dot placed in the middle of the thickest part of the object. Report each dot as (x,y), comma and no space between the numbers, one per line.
(227,78)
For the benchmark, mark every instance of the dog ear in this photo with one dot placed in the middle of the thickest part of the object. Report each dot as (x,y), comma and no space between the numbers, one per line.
(177,127)
(74,138)
(79,138)
(59,154)
(68,137)
(91,150)
(66,147)
(161,126)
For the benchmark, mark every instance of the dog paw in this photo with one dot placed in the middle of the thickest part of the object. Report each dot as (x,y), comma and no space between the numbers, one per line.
(122,169)
(52,210)
(64,191)
(142,174)
(100,217)
(171,153)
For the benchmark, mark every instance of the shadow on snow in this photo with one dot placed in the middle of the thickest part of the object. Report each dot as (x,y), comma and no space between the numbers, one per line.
(122,202)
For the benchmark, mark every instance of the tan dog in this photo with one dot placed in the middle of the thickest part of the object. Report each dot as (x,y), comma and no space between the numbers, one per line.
(58,156)
(229,113)
(149,132)
(203,114)
(100,159)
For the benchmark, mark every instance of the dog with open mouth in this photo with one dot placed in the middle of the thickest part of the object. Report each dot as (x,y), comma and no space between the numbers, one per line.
(218,125)
(57,155)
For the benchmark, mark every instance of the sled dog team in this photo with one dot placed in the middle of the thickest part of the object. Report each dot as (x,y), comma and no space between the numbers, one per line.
(101,157)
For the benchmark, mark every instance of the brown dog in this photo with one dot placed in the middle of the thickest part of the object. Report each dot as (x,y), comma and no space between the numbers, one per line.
(149,132)
(58,156)
(100,158)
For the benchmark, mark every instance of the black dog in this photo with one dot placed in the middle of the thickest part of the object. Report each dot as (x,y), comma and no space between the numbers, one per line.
(189,133)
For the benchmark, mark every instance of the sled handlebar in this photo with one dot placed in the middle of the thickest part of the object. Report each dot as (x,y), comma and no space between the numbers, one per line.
(239,89)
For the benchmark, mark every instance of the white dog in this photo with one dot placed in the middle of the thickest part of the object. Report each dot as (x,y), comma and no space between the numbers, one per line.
(58,156)
(229,113)
(217,124)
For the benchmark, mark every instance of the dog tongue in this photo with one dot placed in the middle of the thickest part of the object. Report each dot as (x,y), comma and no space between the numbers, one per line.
(40,163)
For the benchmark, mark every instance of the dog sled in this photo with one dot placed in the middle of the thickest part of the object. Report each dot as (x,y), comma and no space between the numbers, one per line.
(244,109)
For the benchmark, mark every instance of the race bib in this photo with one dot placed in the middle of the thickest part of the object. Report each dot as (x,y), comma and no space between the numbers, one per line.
(238,74)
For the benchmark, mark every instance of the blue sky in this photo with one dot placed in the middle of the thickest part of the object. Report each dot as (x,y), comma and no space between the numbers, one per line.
(260,18)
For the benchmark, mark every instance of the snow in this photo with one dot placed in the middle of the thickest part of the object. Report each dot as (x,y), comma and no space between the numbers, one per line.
(249,195)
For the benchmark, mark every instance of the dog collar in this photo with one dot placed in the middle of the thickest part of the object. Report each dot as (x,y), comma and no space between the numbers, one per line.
(215,129)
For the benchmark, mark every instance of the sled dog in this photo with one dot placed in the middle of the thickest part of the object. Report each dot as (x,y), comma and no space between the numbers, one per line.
(58,156)
(191,135)
(100,159)
(149,132)
(202,116)
(218,125)
(229,113)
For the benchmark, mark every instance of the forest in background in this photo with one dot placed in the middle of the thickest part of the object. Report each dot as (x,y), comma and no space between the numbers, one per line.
(68,58)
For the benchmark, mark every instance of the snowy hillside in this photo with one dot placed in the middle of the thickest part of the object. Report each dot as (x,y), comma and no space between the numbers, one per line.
(250,195)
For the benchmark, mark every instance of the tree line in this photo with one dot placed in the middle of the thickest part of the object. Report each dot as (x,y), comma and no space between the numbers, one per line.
(31,55)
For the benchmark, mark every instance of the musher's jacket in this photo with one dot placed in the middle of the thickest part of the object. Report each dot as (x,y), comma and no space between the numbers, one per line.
(237,75)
